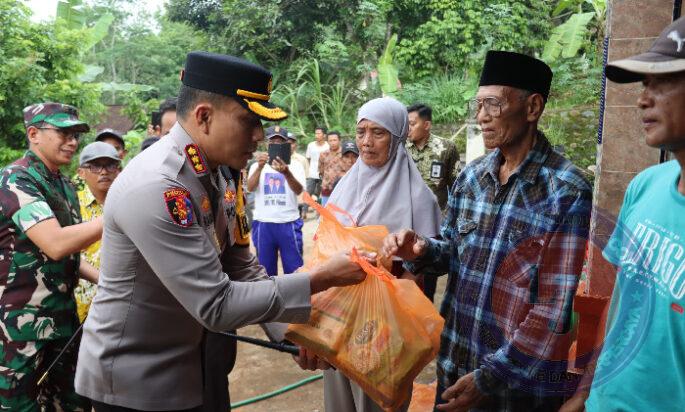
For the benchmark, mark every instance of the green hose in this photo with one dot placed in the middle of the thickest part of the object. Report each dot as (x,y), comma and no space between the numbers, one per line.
(277,392)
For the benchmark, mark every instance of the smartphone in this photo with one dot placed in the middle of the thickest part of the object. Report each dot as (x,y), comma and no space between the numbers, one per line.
(281,150)
(156,118)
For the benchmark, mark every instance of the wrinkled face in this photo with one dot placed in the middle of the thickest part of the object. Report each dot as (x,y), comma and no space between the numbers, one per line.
(334,142)
(419,128)
(662,103)
(231,134)
(349,159)
(56,147)
(373,142)
(167,122)
(99,174)
(114,142)
(510,125)
(319,135)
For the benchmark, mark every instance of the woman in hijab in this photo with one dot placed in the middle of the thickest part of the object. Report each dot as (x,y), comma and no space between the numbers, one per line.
(383,188)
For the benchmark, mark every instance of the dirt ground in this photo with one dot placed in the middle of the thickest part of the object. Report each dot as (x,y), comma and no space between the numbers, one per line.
(259,371)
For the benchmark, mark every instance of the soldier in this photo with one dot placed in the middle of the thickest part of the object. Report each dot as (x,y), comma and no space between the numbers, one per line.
(41,235)
(168,268)
(436,158)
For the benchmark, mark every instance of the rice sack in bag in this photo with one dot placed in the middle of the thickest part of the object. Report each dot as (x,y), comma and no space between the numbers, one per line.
(380,333)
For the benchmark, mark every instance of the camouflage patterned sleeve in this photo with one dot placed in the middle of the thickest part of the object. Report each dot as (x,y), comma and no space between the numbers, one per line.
(21,200)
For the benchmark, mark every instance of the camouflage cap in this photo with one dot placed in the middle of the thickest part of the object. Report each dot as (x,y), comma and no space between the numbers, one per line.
(59,115)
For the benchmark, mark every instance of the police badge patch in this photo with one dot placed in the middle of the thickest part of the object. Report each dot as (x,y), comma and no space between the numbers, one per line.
(179,206)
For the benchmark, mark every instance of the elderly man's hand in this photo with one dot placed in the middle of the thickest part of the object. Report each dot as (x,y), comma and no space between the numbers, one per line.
(462,396)
(405,244)
(309,361)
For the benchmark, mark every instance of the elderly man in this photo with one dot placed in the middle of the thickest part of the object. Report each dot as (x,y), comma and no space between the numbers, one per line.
(99,165)
(513,243)
(641,365)
(169,269)
(41,235)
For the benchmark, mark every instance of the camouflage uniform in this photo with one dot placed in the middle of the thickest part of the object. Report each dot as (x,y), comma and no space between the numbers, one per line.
(437,164)
(37,308)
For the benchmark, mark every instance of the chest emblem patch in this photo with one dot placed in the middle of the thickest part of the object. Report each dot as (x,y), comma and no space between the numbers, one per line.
(193,153)
(205,204)
(179,206)
(229,196)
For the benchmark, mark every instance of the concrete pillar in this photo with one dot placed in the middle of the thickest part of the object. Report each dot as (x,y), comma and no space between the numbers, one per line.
(633,25)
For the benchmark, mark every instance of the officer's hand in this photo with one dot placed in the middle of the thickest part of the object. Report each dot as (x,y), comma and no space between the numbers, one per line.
(262,158)
(279,165)
(405,244)
(339,270)
(309,361)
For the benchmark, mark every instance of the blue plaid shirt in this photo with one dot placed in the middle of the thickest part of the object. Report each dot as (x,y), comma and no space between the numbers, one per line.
(514,253)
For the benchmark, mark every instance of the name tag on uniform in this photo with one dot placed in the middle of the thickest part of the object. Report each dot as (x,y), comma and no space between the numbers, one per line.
(243,225)
(437,170)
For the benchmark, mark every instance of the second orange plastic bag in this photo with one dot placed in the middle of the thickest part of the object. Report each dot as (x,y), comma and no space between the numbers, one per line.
(380,333)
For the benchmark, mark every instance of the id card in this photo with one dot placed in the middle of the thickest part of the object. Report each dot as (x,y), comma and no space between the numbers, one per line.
(437,170)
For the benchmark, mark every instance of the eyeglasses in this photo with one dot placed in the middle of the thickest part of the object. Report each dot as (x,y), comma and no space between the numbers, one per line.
(66,135)
(111,167)
(492,106)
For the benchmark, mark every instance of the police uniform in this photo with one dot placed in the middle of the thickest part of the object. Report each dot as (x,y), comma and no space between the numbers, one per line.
(169,268)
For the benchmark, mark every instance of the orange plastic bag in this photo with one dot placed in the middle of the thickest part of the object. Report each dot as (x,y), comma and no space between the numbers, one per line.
(380,333)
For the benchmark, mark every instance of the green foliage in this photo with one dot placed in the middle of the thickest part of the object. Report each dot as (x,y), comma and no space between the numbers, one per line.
(318,98)
(71,12)
(138,110)
(8,155)
(388,75)
(41,62)
(567,39)
(447,95)
(458,32)
(583,28)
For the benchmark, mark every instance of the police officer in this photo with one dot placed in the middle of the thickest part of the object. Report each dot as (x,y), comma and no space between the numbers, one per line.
(41,235)
(167,266)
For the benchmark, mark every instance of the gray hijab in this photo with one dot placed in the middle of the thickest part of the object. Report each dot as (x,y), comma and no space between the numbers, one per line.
(394,194)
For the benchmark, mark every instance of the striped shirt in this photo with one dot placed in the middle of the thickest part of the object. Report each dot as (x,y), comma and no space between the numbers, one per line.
(514,253)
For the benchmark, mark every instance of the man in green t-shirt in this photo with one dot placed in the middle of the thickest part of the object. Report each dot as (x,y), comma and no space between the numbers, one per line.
(641,364)
(41,235)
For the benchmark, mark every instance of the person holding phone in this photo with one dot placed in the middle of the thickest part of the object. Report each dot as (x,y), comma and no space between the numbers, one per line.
(277,225)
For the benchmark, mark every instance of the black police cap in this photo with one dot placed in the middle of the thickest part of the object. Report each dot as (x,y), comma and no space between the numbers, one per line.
(247,82)
(274,131)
